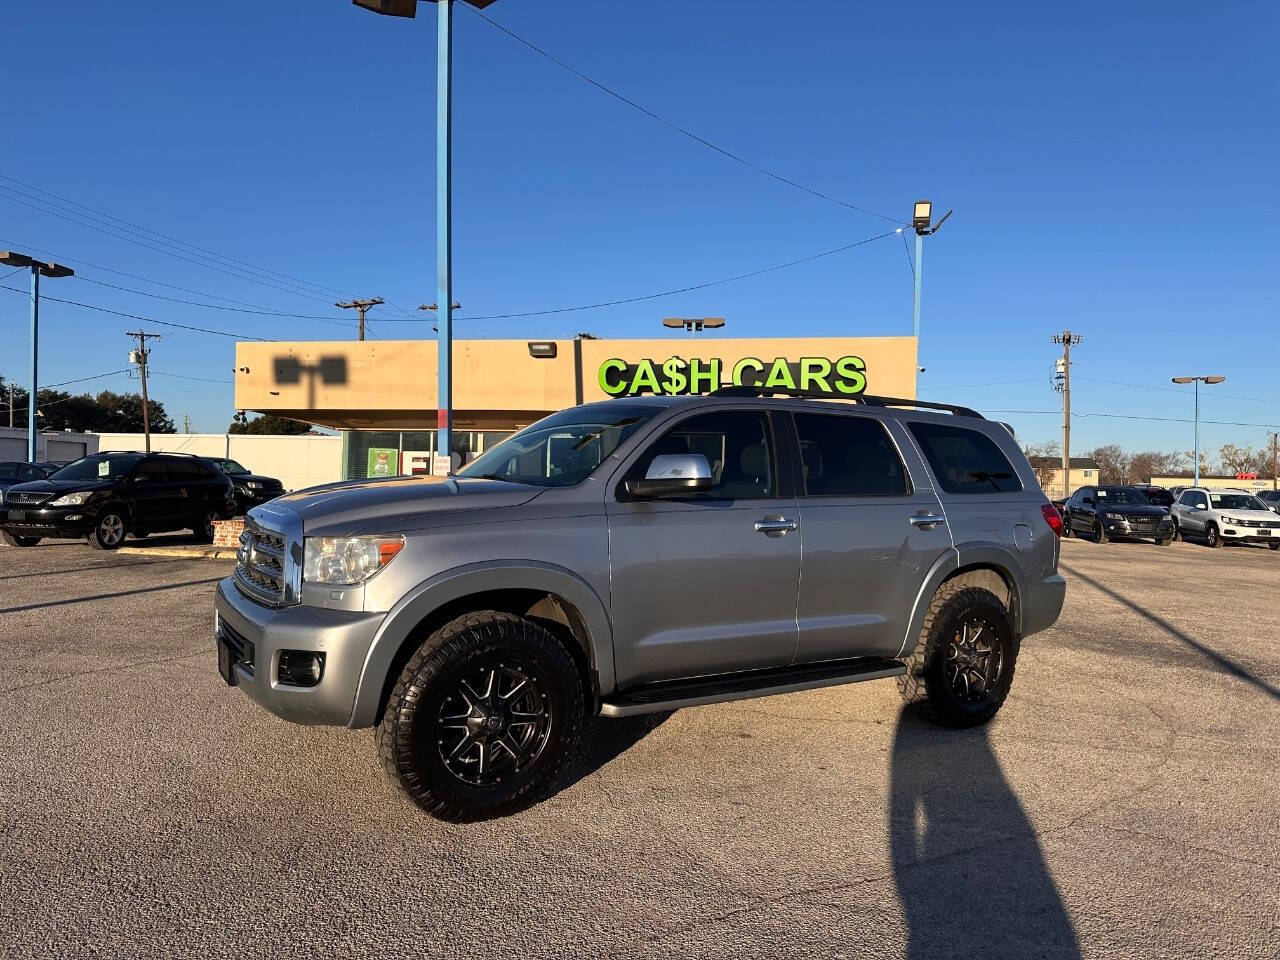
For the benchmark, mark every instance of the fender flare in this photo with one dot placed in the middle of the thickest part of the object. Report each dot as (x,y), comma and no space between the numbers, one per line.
(960,556)
(455,584)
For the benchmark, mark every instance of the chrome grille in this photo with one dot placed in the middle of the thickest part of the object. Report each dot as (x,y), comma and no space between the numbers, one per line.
(23,497)
(261,565)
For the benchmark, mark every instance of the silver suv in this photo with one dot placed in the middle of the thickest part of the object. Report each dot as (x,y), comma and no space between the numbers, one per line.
(638,555)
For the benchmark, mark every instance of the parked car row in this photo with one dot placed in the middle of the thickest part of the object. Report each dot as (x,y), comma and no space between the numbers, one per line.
(108,496)
(1216,516)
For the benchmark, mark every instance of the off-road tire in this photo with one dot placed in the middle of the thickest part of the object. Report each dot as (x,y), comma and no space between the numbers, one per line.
(1212,538)
(407,737)
(925,684)
(14,540)
(1099,533)
(98,538)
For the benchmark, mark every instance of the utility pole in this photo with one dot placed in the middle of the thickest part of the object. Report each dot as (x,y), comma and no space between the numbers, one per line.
(11,406)
(1275,451)
(1068,340)
(363,306)
(139,357)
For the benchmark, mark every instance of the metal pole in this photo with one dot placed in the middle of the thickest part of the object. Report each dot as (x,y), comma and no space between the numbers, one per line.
(1066,414)
(146,416)
(919,279)
(444,235)
(35,353)
(1197,450)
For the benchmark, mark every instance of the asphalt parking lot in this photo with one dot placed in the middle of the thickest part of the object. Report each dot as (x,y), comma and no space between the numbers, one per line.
(1126,802)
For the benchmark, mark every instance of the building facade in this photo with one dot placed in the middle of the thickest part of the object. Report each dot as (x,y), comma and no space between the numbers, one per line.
(382,394)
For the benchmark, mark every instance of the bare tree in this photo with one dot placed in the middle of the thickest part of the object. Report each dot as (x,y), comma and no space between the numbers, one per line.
(1113,464)
(1046,460)
(1241,459)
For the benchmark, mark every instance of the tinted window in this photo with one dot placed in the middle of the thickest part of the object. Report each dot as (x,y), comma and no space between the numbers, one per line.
(848,457)
(182,469)
(965,461)
(1161,498)
(151,471)
(1125,496)
(737,445)
(101,467)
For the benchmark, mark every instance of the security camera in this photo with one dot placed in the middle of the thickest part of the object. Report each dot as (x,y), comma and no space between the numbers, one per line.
(920,369)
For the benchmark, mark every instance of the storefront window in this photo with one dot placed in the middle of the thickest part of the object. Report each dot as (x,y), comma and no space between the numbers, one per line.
(390,453)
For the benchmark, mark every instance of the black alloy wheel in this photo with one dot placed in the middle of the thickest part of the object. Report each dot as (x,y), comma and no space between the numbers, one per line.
(974,660)
(484,718)
(495,722)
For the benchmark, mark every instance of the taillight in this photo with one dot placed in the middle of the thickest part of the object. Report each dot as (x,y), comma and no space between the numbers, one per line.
(1052,517)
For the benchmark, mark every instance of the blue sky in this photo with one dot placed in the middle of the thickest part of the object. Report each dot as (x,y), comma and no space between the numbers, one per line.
(1112,168)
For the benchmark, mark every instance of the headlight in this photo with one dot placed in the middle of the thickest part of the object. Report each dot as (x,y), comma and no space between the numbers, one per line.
(1114,516)
(72,499)
(347,560)
(253,485)
(1230,520)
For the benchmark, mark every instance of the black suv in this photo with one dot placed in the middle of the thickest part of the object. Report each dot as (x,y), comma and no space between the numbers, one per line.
(108,495)
(1106,512)
(13,472)
(251,488)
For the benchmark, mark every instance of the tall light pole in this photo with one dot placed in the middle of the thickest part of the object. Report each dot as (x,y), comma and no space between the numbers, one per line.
(922,223)
(11,259)
(693,325)
(1197,381)
(444,197)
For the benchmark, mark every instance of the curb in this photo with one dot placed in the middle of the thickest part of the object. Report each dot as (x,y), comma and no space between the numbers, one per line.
(190,553)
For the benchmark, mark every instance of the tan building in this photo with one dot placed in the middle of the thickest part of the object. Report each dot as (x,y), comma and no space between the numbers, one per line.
(1216,483)
(1084,471)
(382,393)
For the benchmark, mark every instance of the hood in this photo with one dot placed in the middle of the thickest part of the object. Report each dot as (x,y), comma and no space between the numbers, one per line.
(61,486)
(257,477)
(354,504)
(1133,509)
(1264,515)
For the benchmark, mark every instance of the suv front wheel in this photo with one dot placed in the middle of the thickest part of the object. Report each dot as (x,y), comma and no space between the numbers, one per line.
(484,717)
(962,667)
(109,532)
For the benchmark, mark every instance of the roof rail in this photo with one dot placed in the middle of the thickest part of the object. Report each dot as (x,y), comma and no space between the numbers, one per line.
(869,399)
(143,453)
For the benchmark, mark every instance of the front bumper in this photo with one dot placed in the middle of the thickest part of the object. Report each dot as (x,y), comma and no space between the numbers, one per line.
(1251,534)
(71,522)
(1162,529)
(342,636)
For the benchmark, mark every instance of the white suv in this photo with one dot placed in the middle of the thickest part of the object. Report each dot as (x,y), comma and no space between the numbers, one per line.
(1225,516)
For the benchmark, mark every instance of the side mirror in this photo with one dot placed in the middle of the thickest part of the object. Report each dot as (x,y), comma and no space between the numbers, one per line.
(673,474)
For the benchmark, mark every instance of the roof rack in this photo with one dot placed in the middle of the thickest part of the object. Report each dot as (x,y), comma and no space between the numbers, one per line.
(143,453)
(869,399)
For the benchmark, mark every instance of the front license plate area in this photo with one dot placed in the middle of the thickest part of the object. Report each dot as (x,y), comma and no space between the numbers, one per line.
(1264,533)
(227,663)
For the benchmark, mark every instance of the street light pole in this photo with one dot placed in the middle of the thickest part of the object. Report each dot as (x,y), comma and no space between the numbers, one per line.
(1197,381)
(444,227)
(922,223)
(12,259)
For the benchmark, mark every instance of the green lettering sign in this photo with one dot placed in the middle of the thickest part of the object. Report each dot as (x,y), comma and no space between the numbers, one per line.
(845,376)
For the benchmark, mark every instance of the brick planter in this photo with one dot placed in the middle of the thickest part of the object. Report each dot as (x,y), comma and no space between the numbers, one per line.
(226,533)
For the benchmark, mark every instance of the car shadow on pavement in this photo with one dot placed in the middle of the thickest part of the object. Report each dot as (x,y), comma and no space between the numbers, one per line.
(107,596)
(603,740)
(970,873)
(1225,664)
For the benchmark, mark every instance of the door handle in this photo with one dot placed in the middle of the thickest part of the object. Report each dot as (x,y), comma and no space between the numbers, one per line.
(927,520)
(776,525)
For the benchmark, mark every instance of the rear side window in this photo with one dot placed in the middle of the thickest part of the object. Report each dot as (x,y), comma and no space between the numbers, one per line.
(848,457)
(182,469)
(965,461)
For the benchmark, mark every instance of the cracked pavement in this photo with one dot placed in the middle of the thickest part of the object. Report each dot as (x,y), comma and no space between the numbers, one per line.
(1125,802)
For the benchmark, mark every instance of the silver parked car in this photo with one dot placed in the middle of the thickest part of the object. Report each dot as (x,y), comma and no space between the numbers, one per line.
(638,555)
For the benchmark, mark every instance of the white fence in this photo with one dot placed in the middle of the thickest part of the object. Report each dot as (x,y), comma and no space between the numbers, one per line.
(297,462)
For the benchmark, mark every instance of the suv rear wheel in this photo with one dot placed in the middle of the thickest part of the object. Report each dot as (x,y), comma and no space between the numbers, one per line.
(962,667)
(110,530)
(13,540)
(483,719)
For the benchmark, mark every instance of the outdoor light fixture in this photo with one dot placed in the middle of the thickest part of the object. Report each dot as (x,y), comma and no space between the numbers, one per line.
(922,215)
(406,8)
(1197,381)
(693,324)
(542,349)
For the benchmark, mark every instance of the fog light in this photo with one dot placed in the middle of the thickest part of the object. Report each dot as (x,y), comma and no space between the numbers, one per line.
(300,668)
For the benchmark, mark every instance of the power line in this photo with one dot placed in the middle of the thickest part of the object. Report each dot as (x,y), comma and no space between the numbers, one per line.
(1132,416)
(214,306)
(183,376)
(991,383)
(134,316)
(906,248)
(675,126)
(664,293)
(1215,394)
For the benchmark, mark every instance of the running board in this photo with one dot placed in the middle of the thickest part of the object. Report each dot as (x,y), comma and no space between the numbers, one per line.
(674,694)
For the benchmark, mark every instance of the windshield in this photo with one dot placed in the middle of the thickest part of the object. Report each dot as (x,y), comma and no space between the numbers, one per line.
(229,466)
(1128,496)
(14,471)
(111,466)
(1235,501)
(563,449)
